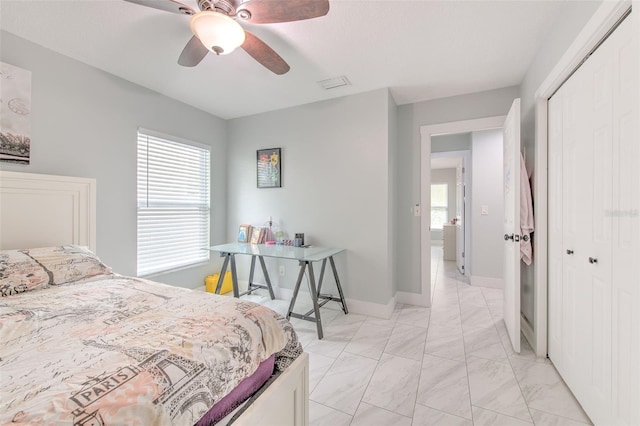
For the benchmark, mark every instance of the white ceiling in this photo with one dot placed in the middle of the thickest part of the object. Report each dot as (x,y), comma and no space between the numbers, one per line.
(420,49)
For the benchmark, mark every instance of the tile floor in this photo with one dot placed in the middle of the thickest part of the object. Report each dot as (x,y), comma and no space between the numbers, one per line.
(451,364)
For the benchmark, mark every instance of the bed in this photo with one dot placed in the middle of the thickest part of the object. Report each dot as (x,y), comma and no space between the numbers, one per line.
(82,345)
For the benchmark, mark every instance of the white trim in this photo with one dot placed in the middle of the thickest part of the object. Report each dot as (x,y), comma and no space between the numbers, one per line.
(415,299)
(377,310)
(426,133)
(478,281)
(600,23)
(171,138)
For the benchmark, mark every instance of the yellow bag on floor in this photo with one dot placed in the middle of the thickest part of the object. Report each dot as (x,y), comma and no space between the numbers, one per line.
(212,281)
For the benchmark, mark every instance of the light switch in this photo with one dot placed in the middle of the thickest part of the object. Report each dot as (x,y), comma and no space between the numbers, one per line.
(484,210)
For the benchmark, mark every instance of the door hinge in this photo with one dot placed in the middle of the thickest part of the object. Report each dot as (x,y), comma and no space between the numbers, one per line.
(463,256)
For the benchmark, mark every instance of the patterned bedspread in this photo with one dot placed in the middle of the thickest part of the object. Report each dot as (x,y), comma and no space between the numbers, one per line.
(118,350)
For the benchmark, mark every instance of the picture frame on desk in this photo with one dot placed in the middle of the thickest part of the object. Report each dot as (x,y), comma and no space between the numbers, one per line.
(257,235)
(269,168)
(244,233)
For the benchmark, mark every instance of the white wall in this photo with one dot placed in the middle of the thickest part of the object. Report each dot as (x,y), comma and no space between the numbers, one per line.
(410,118)
(487,232)
(84,123)
(336,174)
(447,176)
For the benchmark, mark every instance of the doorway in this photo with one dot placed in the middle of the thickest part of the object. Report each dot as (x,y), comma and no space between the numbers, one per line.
(428,133)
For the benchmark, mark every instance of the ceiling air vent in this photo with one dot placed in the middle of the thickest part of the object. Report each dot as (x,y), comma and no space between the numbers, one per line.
(333,83)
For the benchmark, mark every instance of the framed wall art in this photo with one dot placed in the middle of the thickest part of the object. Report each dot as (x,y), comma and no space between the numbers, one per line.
(15,114)
(269,168)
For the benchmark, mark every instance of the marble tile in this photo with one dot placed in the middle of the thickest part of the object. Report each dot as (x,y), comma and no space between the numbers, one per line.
(425,416)
(321,415)
(526,352)
(394,385)
(471,296)
(493,387)
(544,390)
(415,315)
(369,415)
(329,346)
(318,367)
(484,343)
(476,316)
(344,384)
(482,417)
(444,386)
(341,330)
(407,341)
(445,342)
(370,340)
(546,419)
(448,315)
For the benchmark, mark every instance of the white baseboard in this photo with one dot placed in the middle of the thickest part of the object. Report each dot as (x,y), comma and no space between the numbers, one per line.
(355,306)
(412,299)
(478,281)
(371,309)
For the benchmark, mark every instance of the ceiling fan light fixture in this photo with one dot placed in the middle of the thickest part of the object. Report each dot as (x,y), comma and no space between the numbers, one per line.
(218,32)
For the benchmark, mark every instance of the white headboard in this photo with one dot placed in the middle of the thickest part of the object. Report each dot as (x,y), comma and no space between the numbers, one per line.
(44,210)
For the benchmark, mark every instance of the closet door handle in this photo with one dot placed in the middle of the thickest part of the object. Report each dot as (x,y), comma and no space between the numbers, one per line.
(508,237)
(569,252)
(593,260)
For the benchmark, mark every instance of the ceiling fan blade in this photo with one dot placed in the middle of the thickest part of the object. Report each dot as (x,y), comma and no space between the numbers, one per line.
(261,52)
(192,53)
(272,11)
(167,5)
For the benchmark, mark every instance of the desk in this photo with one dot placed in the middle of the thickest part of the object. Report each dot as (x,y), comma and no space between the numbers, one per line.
(304,256)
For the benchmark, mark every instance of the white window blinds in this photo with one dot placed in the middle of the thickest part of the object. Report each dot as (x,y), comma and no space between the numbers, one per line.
(173,204)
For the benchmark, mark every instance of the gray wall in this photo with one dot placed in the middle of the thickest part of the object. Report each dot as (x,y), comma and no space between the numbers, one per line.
(447,176)
(410,118)
(336,174)
(559,38)
(84,123)
(454,142)
(487,243)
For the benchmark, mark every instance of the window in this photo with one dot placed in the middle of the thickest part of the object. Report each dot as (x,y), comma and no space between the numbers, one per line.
(173,203)
(439,205)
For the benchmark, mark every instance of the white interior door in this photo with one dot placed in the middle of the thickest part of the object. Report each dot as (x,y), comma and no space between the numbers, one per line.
(511,180)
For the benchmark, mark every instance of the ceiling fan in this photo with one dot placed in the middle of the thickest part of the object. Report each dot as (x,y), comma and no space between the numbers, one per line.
(216,29)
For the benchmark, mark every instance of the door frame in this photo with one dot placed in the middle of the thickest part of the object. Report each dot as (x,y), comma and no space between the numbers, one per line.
(605,17)
(426,133)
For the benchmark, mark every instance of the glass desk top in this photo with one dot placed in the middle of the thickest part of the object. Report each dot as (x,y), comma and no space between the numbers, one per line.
(308,254)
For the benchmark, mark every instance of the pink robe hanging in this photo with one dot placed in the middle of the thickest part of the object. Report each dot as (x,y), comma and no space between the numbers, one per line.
(526,214)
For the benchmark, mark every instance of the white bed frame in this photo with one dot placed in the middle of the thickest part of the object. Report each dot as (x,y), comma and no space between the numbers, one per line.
(44,210)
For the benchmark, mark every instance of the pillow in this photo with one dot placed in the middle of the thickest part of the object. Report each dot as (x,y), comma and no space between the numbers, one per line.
(67,264)
(20,273)
(32,269)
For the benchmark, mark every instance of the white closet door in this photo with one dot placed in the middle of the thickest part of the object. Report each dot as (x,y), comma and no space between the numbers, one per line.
(594,231)
(626,230)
